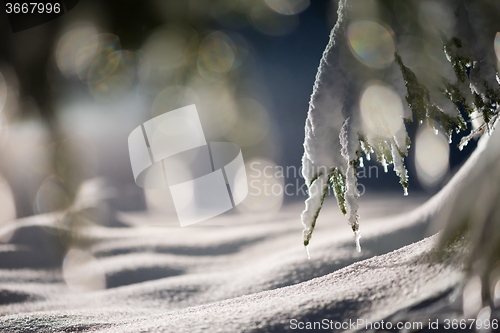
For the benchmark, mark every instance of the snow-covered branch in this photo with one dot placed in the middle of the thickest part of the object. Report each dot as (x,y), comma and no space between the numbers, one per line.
(356,106)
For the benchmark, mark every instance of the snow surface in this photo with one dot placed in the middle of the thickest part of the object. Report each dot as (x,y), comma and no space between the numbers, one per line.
(237,273)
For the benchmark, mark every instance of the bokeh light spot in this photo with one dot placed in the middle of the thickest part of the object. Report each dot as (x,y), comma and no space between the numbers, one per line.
(164,51)
(215,9)
(110,88)
(104,61)
(7,205)
(82,271)
(76,49)
(112,74)
(381,111)
(51,196)
(288,7)
(103,66)
(484,315)
(216,53)
(3,92)
(265,189)
(497,45)
(4,131)
(240,48)
(496,293)
(371,43)
(472,298)
(252,124)
(218,101)
(271,23)
(431,156)
(172,98)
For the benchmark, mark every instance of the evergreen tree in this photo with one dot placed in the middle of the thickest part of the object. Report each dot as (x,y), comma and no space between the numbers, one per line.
(437,56)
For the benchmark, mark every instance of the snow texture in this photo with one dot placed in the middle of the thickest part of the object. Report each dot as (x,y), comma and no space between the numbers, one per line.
(351,192)
(233,275)
(229,276)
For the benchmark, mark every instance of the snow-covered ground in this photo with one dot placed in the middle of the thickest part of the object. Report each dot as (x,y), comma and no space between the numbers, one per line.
(234,273)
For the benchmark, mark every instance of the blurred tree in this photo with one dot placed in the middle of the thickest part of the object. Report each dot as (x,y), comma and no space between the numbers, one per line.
(29,56)
(168,52)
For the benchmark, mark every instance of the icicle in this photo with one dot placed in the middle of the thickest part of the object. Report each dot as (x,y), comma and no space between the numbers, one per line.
(368,157)
(357,236)
(351,194)
(384,164)
(317,193)
(399,167)
(351,198)
(361,163)
(307,252)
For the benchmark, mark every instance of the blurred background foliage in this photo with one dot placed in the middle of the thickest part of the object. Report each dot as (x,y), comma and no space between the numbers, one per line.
(74,88)
(71,90)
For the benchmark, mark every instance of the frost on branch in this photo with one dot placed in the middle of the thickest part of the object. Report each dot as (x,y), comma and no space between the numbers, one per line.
(356,109)
(351,189)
